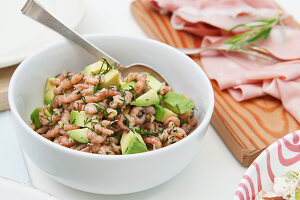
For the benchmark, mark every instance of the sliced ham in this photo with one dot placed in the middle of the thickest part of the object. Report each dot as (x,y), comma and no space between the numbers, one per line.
(203,17)
(245,77)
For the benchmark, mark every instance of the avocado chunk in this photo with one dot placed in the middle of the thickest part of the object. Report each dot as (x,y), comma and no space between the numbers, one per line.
(178,103)
(95,67)
(80,119)
(297,196)
(153,82)
(49,91)
(147,99)
(160,98)
(35,117)
(161,113)
(127,85)
(80,135)
(132,142)
(112,77)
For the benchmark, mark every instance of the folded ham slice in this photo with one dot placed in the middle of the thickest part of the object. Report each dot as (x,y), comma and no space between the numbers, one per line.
(207,17)
(245,77)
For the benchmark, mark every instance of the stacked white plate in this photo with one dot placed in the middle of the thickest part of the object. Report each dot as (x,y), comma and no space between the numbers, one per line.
(20,35)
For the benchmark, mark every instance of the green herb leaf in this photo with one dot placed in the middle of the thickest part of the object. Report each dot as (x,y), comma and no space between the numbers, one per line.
(257,29)
(140,131)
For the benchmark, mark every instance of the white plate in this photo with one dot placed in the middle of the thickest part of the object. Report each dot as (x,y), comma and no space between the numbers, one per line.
(12,190)
(20,35)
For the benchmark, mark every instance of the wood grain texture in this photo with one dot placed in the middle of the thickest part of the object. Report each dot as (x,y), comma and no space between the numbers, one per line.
(5,75)
(248,127)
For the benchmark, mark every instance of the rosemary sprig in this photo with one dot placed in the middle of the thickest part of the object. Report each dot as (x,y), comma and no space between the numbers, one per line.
(257,29)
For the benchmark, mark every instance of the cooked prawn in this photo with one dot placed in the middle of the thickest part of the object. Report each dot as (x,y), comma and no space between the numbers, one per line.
(141,81)
(94,80)
(55,82)
(187,127)
(53,119)
(43,129)
(68,98)
(81,86)
(123,118)
(173,119)
(154,141)
(68,83)
(95,138)
(91,108)
(164,89)
(51,133)
(66,141)
(111,113)
(106,150)
(137,114)
(101,95)
(103,130)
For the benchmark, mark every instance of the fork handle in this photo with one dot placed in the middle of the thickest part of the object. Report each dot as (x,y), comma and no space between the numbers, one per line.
(35,11)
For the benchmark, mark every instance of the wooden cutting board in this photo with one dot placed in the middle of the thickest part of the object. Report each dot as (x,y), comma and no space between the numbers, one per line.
(248,127)
(5,75)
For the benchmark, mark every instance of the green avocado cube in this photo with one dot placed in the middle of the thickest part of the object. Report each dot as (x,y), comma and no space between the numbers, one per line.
(132,142)
(49,91)
(35,117)
(160,98)
(161,113)
(297,196)
(178,103)
(153,82)
(112,77)
(36,114)
(80,135)
(80,119)
(147,99)
(127,85)
(95,68)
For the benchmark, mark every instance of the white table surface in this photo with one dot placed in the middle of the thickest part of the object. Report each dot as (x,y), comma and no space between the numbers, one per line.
(214,174)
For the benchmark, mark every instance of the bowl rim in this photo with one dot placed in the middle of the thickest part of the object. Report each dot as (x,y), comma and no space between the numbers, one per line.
(262,156)
(50,144)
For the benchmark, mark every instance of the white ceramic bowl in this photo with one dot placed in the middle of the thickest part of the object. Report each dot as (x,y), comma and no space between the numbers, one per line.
(279,158)
(108,174)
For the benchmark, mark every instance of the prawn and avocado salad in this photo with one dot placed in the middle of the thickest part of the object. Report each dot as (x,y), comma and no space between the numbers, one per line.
(97,111)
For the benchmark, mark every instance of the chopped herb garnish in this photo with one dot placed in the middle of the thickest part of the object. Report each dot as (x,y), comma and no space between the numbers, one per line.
(47,118)
(140,131)
(127,121)
(132,91)
(257,29)
(68,76)
(55,136)
(86,121)
(84,100)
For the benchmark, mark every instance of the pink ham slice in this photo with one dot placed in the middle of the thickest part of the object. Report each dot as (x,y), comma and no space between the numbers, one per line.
(245,77)
(202,17)
(248,77)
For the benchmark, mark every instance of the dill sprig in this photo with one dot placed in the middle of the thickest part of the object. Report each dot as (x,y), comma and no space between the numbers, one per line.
(141,131)
(257,29)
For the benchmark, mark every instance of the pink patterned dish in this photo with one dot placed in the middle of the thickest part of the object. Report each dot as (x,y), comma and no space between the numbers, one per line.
(279,158)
